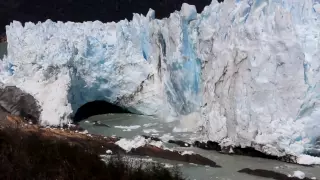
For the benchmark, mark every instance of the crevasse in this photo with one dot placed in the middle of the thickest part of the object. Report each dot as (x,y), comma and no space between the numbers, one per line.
(245,72)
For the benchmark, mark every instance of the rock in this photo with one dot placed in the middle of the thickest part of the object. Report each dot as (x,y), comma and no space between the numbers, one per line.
(3,48)
(98,123)
(180,143)
(3,38)
(16,102)
(156,152)
(213,145)
(151,137)
(268,174)
(209,145)
(246,151)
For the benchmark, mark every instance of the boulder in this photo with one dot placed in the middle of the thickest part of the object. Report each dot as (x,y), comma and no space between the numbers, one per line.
(16,102)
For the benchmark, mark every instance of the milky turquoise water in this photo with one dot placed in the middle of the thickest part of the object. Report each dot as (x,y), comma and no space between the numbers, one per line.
(156,127)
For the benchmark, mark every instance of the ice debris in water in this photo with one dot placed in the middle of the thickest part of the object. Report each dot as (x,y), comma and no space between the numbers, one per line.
(138,141)
(299,174)
(166,137)
(308,160)
(166,165)
(150,124)
(84,132)
(179,130)
(128,128)
(148,131)
(109,151)
(187,153)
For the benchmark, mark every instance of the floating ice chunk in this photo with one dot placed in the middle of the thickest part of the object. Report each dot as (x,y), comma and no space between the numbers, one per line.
(158,144)
(166,165)
(179,130)
(299,174)
(109,151)
(128,128)
(150,124)
(308,160)
(138,141)
(166,137)
(187,152)
(193,164)
(148,131)
(127,144)
(84,132)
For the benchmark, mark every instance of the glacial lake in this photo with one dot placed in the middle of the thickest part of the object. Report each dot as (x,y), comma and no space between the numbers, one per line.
(130,125)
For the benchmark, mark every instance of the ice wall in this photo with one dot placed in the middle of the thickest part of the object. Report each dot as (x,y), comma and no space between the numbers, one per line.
(241,72)
(261,73)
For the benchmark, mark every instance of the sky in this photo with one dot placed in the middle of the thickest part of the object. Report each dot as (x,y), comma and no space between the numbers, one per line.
(86,10)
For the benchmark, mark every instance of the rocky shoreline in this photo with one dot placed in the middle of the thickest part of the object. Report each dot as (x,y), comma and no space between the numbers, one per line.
(3,38)
(100,144)
(237,150)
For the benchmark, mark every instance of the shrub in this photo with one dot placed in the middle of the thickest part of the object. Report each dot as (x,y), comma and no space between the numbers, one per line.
(29,156)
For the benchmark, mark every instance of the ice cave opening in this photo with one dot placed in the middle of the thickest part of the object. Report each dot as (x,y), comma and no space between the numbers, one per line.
(97,108)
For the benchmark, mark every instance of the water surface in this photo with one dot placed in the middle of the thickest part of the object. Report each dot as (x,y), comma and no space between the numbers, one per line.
(130,125)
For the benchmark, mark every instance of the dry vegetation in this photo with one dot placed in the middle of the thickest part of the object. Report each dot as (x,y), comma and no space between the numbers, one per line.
(32,155)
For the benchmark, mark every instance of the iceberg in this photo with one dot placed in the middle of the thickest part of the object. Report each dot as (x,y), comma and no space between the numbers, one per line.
(244,72)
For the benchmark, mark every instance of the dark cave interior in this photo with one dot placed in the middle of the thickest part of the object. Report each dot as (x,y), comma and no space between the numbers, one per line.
(97,108)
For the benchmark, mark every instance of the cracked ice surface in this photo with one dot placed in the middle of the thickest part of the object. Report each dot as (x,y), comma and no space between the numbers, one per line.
(241,72)
(261,73)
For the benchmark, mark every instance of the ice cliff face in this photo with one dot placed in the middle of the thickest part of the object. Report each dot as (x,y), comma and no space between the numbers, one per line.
(242,72)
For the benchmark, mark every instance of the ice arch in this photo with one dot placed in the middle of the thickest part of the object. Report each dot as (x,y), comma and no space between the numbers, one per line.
(96,108)
(250,68)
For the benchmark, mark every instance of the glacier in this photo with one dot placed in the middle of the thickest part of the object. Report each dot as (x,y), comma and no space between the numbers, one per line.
(242,72)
